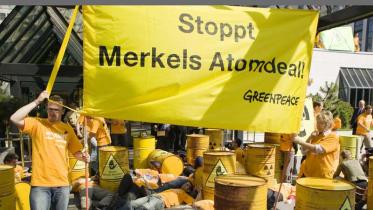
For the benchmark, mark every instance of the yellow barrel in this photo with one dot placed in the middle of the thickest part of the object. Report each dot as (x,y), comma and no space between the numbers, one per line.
(240,192)
(349,143)
(272,138)
(216,138)
(76,168)
(23,196)
(370,184)
(113,166)
(216,164)
(197,141)
(142,147)
(196,146)
(321,193)
(7,197)
(171,164)
(260,161)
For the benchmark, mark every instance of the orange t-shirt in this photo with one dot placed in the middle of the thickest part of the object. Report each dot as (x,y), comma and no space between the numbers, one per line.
(337,123)
(286,142)
(50,143)
(118,127)
(97,125)
(366,120)
(18,173)
(175,197)
(322,165)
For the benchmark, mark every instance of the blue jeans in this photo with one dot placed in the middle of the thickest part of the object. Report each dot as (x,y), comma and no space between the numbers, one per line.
(45,198)
(150,202)
(174,184)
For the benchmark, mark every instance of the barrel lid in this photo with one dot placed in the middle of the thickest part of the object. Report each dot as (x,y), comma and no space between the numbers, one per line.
(212,129)
(197,135)
(5,167)
(240,180)
(218,153)
(260,146)
(324,184)
(348,136)
(113,148)
(144,137)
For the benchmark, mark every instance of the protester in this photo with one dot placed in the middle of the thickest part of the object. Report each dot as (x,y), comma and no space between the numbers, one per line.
(364,122)
(118,132)
(98,136)
(358,111)
(19,174)
(351,170)
(322,149)
(287,153)
(51,139)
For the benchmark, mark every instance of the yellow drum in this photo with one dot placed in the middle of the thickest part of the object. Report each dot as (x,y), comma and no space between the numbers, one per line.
(216,138)
(240,192)
(216,164)
(7,197)
(260,161)
(76,168)
(197,141)
(349,143)
(272,138)
(171,164)
(23,196)
(320,193)
(142,147)
(196,146)
(113,166)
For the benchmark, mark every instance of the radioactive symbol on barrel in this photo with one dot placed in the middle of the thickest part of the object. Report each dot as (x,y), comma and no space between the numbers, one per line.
(218,170)
(112,169)
(267,169)
(346,204)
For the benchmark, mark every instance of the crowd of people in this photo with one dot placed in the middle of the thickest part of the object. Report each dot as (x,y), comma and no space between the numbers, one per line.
(148,188)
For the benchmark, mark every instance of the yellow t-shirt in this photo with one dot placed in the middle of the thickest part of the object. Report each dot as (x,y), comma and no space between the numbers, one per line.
(50,143)
(175,197)
(240,155)
(97,125)
(204,205)
(286,142)
(118,127)
(18,173)
(366,120)
(322,165)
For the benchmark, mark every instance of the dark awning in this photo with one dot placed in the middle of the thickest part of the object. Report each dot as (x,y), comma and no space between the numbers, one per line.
(357,77)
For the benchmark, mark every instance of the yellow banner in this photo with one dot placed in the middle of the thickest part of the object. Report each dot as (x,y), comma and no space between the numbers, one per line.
(209,66)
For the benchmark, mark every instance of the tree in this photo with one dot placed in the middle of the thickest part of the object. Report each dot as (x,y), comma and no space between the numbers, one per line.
(329,96)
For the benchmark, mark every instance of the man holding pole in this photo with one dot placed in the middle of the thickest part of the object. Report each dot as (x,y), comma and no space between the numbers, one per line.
(51,139)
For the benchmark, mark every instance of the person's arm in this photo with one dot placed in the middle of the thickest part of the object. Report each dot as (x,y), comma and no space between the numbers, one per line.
(310,147)
(18,118)
(338,171)
(83,156)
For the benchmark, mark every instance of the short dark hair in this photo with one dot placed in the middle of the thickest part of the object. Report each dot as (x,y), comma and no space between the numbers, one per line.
(367,107)
(10,156)
(316,104)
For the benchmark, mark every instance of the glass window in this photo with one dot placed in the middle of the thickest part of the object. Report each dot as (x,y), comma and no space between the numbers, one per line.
(368,46)
(358,28)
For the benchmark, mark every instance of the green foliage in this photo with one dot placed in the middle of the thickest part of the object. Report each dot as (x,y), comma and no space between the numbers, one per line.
(329,96)
(8,105)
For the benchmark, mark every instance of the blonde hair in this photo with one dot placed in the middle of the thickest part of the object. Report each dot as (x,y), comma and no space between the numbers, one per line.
(325,117)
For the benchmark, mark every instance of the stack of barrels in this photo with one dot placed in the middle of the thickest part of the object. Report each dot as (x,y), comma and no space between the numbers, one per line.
(216,138)
(196,146)
(216,164)
(113,165)
(142,147)
(370,183)
(7,194)
(260,161)
(349,143)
